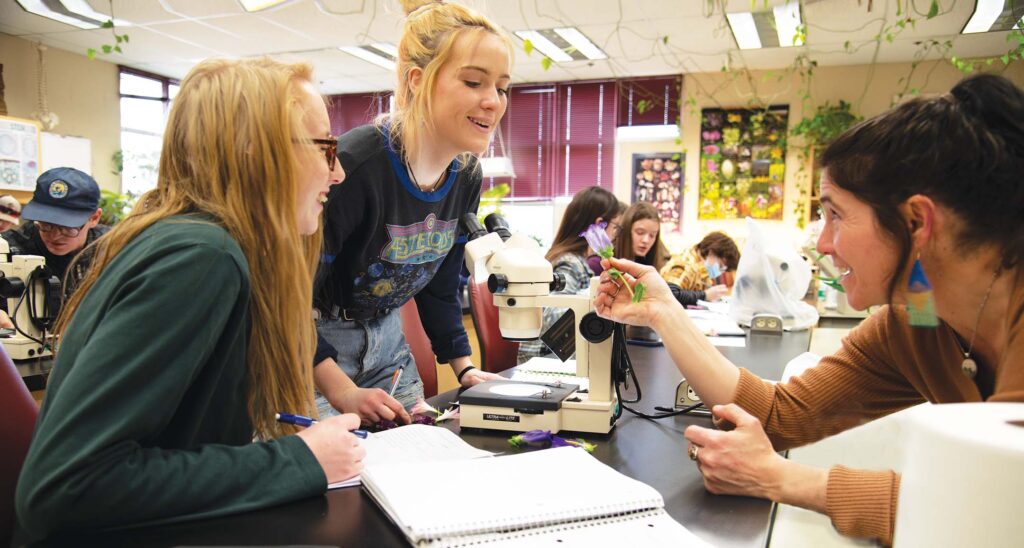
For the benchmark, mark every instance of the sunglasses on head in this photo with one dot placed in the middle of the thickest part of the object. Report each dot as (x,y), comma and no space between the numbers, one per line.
(9,211)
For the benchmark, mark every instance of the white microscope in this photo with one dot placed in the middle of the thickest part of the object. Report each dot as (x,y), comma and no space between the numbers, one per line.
(33,301)
(521,279)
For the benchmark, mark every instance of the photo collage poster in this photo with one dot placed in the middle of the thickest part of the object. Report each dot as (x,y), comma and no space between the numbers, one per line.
(742,163)
(658,179)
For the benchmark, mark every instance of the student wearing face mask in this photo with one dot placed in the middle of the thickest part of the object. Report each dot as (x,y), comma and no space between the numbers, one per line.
(698,268)
(392,230)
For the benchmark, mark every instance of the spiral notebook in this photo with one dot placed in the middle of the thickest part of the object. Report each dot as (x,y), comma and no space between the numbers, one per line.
(558,497)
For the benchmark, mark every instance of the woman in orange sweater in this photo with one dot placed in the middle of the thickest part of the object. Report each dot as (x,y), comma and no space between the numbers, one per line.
(931,190)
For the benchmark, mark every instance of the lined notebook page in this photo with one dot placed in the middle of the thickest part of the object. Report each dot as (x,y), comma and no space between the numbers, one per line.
(649,528)
(503,493)
(416,443)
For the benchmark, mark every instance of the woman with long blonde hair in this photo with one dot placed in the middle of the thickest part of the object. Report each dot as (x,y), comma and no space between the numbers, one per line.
(392,230)
(193,327)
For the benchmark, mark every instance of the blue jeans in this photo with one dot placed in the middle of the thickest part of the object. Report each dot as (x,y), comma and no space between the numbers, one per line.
(369,352)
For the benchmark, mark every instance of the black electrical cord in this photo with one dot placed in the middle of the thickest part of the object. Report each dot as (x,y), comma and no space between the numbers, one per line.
(621,366)
(14,317)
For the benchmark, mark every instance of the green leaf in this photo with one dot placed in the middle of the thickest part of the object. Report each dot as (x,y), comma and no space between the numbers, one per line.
(125,37)
(676,156)
(664,39)
(117,38)
(527,46)
(1006,59)
(846,45)
(934,10)
(108,24)
(90,53)
(107,48)
(545,63)
(638,292)
(117,49)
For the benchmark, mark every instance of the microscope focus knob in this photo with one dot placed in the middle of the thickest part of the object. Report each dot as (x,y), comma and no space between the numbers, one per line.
(558,283)
(11,288)
(594,328)
(497,283)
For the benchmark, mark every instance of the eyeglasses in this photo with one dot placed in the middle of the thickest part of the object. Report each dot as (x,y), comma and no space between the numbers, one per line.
(66,231)
(331,152)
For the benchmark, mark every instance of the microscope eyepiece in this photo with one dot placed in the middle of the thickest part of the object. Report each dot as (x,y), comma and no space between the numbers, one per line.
(472,227)
(496,223)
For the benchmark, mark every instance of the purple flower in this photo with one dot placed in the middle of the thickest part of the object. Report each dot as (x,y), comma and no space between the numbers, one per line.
(545,439)
(598,240)
(712,166)
(711,149)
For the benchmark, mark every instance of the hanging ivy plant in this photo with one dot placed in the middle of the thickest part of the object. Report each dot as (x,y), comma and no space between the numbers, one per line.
(829,121)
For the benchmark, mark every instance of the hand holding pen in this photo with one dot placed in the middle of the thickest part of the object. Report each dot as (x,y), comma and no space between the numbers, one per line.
(300,420)
(334,445)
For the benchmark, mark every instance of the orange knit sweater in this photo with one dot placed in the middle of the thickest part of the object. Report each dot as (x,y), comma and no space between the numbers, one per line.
(883,366)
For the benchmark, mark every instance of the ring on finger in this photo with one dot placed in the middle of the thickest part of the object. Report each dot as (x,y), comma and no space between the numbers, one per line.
(692,452)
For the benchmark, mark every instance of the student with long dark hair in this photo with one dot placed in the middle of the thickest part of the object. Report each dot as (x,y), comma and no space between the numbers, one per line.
(568,254)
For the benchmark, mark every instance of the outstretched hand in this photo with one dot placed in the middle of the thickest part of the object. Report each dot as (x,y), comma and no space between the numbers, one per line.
(615,302)
(738,462)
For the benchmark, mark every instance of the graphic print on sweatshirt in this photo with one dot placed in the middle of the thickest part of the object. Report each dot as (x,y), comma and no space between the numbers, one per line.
(408,261)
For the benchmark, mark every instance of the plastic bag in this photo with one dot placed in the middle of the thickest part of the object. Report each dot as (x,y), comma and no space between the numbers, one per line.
(771,278)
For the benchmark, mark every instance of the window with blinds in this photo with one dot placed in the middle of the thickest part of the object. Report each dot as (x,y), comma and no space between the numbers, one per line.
(561,136)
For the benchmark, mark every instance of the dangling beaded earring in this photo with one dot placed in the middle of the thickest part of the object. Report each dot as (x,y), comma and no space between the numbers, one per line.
(920,301)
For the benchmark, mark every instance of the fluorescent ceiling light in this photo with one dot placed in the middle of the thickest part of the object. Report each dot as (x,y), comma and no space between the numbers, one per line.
(260,5)
(787,19)
(985,14)
(995,15)
(582,44)
(387,48)
(744,30)
(767,29)
(58,11)
(371,54)
(81,7)
(545,46)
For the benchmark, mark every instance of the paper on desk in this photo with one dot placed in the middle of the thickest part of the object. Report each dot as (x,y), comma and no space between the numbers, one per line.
(413,443)
(799,364)
(737,342)
(552,366)
(715,324)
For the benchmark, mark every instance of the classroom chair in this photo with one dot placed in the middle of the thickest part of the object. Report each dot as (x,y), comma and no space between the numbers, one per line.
(426,362)
(16,424)
(496,353)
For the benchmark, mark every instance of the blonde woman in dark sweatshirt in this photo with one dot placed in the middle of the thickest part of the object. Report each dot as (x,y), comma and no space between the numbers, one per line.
(931,190)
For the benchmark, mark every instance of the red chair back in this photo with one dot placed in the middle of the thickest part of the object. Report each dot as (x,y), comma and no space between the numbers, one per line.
(17,420)
(496,353)
(419,343)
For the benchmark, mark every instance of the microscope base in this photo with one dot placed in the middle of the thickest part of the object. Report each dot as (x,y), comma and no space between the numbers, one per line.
(21,347)
(590,417)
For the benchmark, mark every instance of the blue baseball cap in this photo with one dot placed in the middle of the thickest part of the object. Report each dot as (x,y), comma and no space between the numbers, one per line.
(64,196)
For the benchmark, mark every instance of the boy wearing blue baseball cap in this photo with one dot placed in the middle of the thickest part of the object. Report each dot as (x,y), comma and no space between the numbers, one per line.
(65,217)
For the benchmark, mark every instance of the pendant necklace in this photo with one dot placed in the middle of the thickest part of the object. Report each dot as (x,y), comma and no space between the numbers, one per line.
(969,367)
(433,187)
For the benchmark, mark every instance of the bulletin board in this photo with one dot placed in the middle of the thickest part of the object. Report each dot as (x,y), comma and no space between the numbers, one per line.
(20,153)
(66,151)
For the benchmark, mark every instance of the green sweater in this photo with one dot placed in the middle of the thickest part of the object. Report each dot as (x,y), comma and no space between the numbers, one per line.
(145,417)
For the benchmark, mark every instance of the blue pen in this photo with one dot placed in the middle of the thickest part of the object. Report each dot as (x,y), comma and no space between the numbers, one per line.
(299,420)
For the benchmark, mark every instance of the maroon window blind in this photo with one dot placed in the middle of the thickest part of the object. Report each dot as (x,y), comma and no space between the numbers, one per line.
(352,110)
(585,143)
(528,128)
(660,97)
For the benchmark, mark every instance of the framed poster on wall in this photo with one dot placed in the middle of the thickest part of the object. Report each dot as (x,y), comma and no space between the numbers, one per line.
(658,179)
(742,163)
(19,153)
